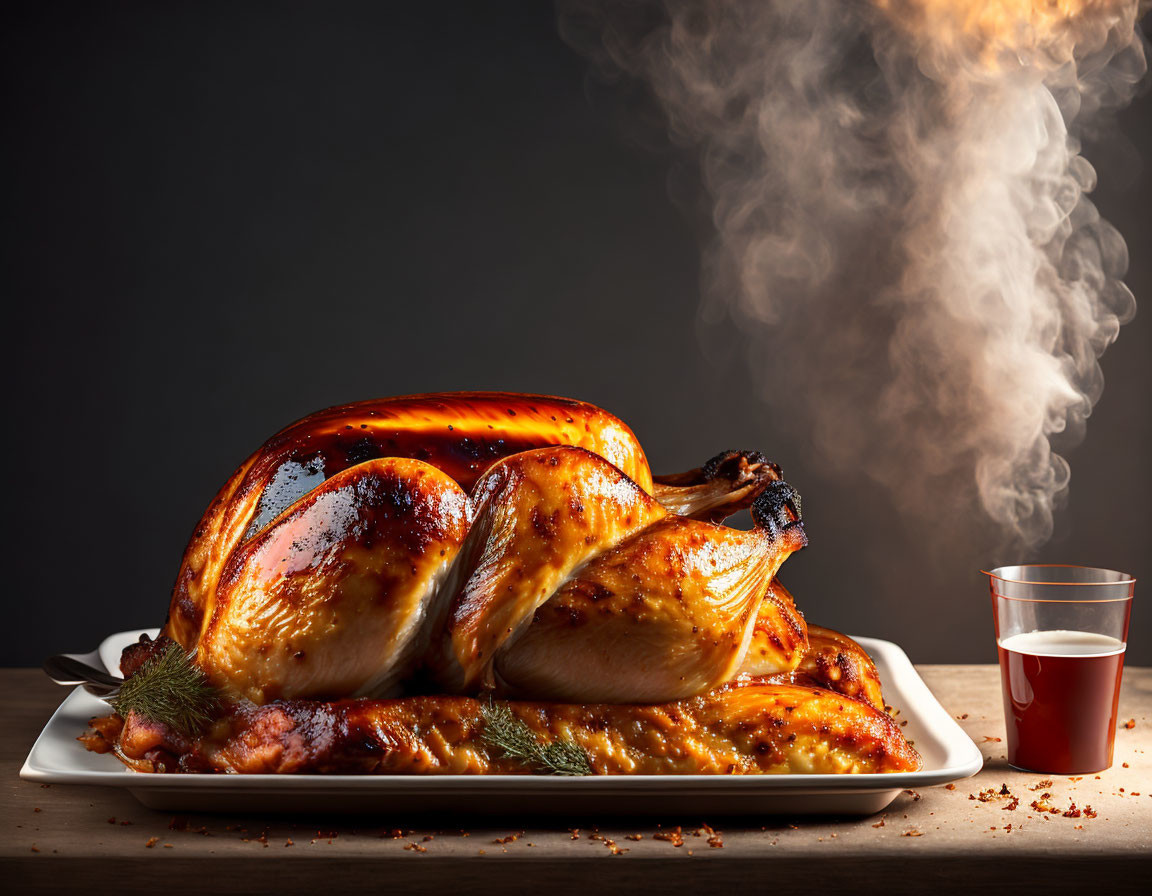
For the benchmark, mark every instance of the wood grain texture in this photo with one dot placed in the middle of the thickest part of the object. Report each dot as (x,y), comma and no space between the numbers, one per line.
(961,846)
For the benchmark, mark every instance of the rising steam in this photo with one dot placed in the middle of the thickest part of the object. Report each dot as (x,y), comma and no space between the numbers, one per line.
(900,223)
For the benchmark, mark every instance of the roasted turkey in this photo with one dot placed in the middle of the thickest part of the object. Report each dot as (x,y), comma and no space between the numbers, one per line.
(376,571)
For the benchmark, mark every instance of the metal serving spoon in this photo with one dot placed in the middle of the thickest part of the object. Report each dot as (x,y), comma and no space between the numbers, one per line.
(68,669)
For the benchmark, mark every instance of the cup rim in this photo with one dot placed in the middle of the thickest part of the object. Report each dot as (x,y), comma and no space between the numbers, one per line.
(1125,578)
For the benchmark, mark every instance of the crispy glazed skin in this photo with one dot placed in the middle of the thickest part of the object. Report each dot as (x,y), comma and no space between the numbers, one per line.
(577,585)
(539,515)
(664,615)
(332,597)
(836,662)
(826,658)
(780,637)
(364,578)
(765,728)
(462,434)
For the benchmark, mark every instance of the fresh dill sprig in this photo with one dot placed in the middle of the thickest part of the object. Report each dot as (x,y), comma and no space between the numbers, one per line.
(516,740)
(168,689)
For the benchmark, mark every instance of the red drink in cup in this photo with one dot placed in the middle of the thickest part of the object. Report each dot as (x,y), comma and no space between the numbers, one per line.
(1061,633)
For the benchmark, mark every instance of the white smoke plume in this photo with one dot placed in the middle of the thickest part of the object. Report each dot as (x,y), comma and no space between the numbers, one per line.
(900,223)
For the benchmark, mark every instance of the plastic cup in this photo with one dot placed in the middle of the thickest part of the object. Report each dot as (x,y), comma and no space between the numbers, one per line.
(1061,633)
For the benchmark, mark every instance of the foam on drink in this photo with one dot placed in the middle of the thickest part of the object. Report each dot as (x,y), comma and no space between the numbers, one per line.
(1063,643)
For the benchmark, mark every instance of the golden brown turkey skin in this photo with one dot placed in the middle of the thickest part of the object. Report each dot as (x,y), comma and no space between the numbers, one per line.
(332,597)
(836,662)
(756,729)
(825,658)
(539,515)
(780,636)
(460,433)
(368,576)
(666,614)
(577,585)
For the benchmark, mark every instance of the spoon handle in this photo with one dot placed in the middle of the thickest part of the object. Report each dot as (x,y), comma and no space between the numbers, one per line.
(67,670)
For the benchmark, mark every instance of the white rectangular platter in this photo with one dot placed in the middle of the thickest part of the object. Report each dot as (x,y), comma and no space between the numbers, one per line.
(948,754)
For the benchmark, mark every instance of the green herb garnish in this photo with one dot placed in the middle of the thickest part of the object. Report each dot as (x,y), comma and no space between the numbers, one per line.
(170,690)
(516,740)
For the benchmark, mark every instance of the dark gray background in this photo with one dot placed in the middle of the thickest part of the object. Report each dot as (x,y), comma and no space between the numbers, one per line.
(220,217)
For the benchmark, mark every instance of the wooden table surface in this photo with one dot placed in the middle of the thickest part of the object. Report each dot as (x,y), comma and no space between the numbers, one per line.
(938,840)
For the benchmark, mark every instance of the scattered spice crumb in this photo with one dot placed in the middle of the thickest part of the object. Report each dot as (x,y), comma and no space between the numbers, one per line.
(879,824)
(1011,806)
(416,847)
(912,793)
(1041,785)
(289,843)
(35,849)
(1044,804)
(912,832)
(112,820)
(1124,764)
(1131,723)
(633,836)
(989,739)
(674,836)
(511,838)
(949,786)
(152,841)
(1089,812)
